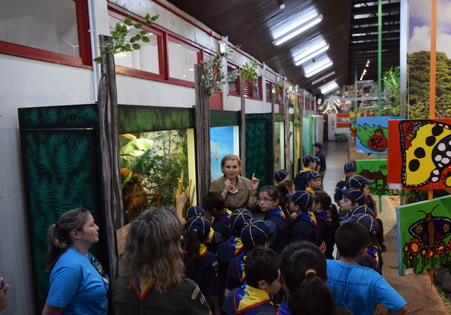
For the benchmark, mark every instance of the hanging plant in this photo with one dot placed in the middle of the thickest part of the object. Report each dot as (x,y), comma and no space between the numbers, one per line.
(119,40)
(392,81)
(213,78)
(276,91)
(249,71)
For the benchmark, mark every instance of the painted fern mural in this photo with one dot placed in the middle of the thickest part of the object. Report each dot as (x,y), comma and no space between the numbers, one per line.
(58,152)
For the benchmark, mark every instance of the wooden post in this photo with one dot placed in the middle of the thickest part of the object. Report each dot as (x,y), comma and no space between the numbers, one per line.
(202,126)
(111,176)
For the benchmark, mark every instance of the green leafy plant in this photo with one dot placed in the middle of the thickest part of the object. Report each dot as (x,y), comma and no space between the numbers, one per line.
(212,78)
(276,91)
(121,42)
(249,71)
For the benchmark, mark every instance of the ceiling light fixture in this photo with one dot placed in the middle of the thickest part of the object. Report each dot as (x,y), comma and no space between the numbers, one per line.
(327,65)
(312,68)
(298,30)
(328,87)
(281,4)
(323,78)
(311,53)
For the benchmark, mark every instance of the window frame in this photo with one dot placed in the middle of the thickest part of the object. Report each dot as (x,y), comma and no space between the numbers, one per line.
(163,36)
(250,87)
(237,81)
(85,59)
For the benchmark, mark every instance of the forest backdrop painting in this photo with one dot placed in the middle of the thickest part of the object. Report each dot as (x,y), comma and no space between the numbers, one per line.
(418,59)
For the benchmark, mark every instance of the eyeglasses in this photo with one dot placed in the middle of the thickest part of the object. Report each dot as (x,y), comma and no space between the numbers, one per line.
(265,199)
(234,166)
(3,286)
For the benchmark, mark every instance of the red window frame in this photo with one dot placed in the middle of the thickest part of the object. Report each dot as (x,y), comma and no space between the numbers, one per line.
(163,37)
(177,40)
(237,82)
(249,88)
(85,59)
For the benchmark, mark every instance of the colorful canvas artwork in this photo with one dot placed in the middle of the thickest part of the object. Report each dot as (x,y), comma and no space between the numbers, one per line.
(419,155)
(372,134)
(424,230)
(376,170)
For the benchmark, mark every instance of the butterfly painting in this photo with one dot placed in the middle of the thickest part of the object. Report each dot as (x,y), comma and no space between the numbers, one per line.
(424,235)
(431,230)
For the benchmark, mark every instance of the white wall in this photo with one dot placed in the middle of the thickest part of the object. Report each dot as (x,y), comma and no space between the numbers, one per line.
(30,83)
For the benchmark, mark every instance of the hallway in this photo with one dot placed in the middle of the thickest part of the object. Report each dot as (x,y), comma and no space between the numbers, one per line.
(337,154)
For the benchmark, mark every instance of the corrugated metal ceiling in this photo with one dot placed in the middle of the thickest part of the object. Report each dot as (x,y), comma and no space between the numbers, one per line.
(251,24)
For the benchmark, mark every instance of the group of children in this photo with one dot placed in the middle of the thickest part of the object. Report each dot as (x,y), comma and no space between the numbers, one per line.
(236,259)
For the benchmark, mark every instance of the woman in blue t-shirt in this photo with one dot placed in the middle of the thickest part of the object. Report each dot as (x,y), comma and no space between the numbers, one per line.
(78,283)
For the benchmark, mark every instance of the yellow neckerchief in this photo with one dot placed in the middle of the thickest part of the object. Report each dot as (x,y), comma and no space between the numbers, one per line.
(202,249)
(247,297)
(211,235)
(141,287)
(310,190)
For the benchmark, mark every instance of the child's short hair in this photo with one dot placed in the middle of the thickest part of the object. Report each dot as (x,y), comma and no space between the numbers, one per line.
(351,238)
(213,200)
(262,263)
(288,184)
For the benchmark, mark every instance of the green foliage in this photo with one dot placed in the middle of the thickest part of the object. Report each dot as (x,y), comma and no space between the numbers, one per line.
(249,71)
(419,72)
(165,163)
(212,78)
(392,80)
(120,42)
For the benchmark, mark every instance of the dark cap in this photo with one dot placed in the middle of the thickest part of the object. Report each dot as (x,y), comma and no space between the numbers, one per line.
(237,219)
(349,166)
(357,182)
(256,232)
(281,175)
(195,211)
(355,194)
(312,175)
(366,220)
(318,145)
(360,209)
(303,199)
(309,159)
(356,210)
(200,225)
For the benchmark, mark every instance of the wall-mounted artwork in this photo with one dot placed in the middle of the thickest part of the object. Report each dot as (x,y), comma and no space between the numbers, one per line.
(372,134)
(419,154)
(376,170)
(223,141)
(424,230)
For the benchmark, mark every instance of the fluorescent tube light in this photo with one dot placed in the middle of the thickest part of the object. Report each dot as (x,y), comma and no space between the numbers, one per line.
(298,30)
(311,53)
(312,72)
(330,87)
(323,78)
(327,85)
(312,66)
